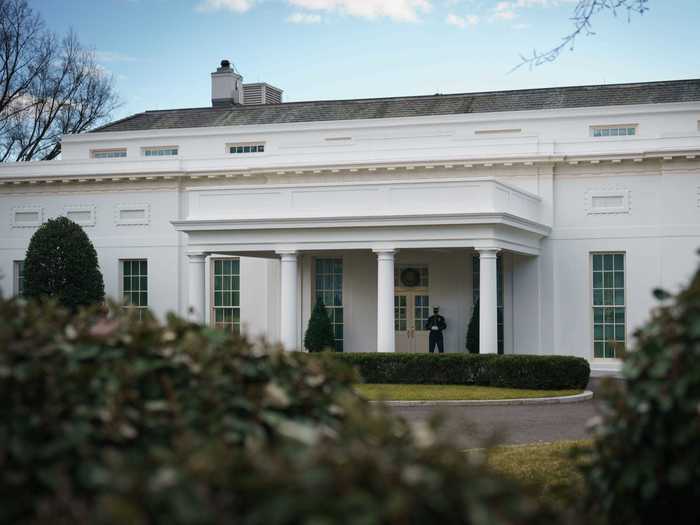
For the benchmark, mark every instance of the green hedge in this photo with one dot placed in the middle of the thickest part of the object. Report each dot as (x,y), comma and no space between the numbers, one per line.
(111,421)
(511,371)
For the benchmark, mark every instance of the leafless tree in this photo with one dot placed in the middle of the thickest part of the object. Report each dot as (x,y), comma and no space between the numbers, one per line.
(582,19)
(49,86)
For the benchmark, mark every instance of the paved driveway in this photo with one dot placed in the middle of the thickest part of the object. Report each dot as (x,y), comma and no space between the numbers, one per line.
(517,424)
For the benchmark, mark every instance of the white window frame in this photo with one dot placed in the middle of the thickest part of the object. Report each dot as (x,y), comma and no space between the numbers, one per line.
(259,143)
(139,308)
(212,293)
(331,308)
(148,149)
(616,128)
(16,265)
(97,153)
(591,323)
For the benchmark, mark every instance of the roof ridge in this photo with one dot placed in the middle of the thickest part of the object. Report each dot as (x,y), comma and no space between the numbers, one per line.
(593,95)
(434,95)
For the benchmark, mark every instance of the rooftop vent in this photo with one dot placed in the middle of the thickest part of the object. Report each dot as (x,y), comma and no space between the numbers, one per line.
(261,93)
(227,89)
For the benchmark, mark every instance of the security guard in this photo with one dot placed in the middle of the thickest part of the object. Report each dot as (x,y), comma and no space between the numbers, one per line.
(435,325)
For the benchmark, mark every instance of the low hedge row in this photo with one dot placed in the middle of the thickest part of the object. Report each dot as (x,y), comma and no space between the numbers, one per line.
(551,372)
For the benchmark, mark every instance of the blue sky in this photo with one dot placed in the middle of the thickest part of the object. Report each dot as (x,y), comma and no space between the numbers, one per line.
(162,51)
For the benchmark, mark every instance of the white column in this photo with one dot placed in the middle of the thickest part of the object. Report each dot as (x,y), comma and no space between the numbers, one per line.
(195,277)
(385,300)
(488,306)
(289,287)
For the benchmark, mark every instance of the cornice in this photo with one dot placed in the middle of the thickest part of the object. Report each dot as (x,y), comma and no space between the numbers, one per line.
(354,221)
(64,172)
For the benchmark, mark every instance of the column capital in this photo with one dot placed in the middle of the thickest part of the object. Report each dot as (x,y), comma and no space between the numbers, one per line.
(384,253)
(488,253)
(287,255)
(196,257)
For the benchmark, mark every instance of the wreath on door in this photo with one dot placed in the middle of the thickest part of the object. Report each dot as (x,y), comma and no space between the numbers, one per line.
(410,277)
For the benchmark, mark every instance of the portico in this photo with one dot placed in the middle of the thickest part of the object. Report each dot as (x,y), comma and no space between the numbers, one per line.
(449,219)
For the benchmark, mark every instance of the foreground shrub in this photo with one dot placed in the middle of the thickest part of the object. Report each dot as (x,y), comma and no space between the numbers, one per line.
(110,421)
(646,455)
(61,262)
(508,371)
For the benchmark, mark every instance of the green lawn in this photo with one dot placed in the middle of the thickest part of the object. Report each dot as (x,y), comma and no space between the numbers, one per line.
(547,468)
(450,392)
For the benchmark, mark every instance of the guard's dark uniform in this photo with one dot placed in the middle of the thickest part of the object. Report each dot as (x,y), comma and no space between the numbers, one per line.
(435,337)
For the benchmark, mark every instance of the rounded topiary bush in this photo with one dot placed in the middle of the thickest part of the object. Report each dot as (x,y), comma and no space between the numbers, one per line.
(110,421)
(646,454)
(61,262)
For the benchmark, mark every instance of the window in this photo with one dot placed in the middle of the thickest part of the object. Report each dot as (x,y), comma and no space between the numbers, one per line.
(108,153)
(329,290)
(608,304)
(18,269)
(226,312)
(135,285)
(246,148)
(614,131)
(164,151)
(499,293)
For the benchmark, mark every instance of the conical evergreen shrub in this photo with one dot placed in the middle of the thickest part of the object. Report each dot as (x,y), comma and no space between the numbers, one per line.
(473,331)
(319,334)
(61,263)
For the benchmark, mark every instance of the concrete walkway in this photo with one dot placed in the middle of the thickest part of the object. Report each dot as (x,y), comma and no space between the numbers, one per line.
(518,424)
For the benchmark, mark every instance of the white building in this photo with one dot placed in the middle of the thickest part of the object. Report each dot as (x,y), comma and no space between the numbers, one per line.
(562,208)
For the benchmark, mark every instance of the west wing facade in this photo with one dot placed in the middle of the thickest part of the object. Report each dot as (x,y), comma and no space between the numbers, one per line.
(558,214)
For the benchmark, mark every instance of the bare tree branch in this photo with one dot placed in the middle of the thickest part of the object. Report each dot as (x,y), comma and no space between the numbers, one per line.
(582,19)
(48,87)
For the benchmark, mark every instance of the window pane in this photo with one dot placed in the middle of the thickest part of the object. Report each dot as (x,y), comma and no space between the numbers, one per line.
(599,350)
(597,279)
(597,262)
(597,297)
(608,262)
(597,315)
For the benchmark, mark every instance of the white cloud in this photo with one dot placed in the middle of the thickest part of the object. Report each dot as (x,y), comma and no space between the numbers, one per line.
(238,6)
(508,10)
(304,18)
(505,11)
(399,10)
(462,21)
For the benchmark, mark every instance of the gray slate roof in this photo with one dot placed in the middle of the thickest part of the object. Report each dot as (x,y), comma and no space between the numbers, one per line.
(417,106)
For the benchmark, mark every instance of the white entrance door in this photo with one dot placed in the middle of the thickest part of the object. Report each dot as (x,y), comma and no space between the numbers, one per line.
(411,312)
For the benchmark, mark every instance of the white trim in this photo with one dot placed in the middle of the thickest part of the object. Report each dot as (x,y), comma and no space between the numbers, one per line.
(592,195)
(335,125)
(119,208)
(27,209)
(67,210)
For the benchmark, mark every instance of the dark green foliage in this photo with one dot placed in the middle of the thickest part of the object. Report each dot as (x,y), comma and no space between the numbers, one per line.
(112,422)
(473,331)
(319,334)
(646,454)
(510,371)
(61,262)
